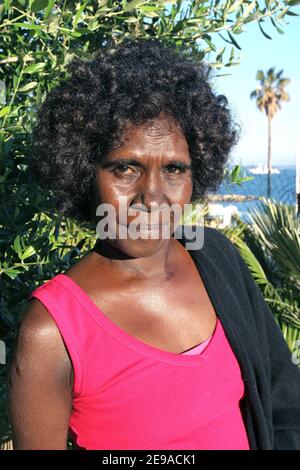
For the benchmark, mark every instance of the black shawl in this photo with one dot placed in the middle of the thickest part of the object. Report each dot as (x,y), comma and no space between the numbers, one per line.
(271,405)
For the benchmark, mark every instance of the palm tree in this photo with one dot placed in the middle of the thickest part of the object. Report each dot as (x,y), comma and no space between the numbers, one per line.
(269,95)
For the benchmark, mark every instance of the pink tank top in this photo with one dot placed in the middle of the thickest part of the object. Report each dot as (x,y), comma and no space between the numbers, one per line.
(131,395)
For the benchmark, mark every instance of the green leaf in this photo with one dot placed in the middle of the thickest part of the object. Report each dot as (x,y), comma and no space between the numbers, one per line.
(4,111)
(252,262)
(235,172)
(149,8)
(17,246)
(7,4)
(275,26)
(133,4)
(235,178)
(207,39)
(69,32)
(49,8)
(252,17)
(27,26)
(78,15)
(235,6)
(249,8)
(292,13)
(220,54)
(131,19)
(39,5)
(282,13)
(14,111)
(28,86)
(30,250)
(150,14)
(234,41)
(12,272)
(263,32)
(34,67)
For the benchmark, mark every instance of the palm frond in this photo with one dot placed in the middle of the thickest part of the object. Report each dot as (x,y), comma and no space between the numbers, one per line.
(270,247)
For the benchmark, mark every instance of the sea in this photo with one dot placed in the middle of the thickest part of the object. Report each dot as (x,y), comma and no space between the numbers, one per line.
(283,189)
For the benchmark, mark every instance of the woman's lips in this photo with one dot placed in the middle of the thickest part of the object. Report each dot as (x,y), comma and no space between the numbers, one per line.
(148,229)
(145,226)
(152,227)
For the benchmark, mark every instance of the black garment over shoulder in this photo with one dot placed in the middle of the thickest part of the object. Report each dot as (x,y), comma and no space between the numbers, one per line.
(271,405)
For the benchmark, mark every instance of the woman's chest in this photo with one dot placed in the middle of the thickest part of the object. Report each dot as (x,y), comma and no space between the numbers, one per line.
(173,315)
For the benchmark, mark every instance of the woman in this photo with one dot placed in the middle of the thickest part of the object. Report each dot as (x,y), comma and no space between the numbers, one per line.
(144,344)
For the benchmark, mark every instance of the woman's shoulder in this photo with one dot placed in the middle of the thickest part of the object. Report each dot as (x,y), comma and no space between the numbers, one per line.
(218,253)
(211,241)
(36,320)
(39,339)
(216,236)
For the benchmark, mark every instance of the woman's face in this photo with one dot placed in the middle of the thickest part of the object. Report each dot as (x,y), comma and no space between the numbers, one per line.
(151,169)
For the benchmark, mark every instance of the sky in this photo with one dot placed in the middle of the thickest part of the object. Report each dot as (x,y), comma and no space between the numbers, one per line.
(258,52)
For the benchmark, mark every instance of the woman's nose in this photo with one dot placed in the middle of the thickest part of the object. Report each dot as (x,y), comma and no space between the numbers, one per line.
(152,192)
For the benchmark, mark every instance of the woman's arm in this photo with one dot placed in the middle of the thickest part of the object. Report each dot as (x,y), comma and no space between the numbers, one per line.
(40,397)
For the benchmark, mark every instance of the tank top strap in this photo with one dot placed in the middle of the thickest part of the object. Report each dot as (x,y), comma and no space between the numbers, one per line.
(66,312)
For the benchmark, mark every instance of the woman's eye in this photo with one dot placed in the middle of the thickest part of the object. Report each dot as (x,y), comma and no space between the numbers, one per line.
(124,169)
(175,170)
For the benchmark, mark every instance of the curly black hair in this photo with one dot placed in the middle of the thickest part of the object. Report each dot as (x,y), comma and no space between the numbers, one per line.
(133,82)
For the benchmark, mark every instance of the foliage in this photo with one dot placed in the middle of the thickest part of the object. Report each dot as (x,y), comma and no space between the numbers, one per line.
(233,177)
(270,246)
(38,39)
